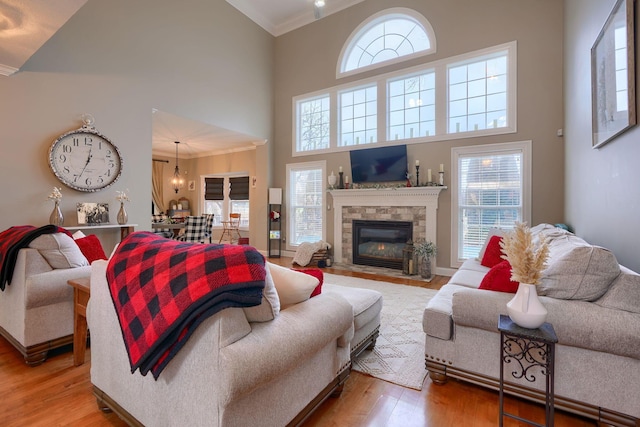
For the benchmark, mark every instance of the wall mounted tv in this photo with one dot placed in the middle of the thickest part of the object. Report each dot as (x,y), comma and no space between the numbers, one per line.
(382,164)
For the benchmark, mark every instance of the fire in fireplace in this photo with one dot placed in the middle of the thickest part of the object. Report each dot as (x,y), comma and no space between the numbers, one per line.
(380,243)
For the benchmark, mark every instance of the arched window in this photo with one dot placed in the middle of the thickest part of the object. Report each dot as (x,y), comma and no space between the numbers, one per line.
(389,36)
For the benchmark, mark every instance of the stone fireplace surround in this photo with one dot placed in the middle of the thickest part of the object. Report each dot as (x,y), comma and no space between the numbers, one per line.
(416,204)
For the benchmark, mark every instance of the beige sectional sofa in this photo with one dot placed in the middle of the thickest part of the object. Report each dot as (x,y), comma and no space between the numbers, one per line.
(36,309)
(594,307)
(269,365)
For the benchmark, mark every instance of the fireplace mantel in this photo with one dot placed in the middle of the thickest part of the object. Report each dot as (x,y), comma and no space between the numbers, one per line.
(384,197)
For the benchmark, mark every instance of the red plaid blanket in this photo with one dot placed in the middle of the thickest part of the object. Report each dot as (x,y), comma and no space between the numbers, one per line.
(163,289)
(15,238)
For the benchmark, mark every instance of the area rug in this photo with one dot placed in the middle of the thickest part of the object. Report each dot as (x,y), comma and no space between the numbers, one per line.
(398,356)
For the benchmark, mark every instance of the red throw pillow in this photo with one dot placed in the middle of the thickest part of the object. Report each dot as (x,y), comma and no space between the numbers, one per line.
(499,279)
(318,274)
(91,248)
(493,254)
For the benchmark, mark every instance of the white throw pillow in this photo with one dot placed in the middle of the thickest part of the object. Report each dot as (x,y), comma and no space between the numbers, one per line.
(78,235)
(270,305)
(293,287)
(59,250)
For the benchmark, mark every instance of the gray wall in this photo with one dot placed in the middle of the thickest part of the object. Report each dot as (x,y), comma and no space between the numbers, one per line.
(306,61)
(117,60)
(602,192)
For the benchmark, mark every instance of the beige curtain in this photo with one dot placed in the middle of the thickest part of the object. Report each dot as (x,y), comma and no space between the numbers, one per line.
(157,180)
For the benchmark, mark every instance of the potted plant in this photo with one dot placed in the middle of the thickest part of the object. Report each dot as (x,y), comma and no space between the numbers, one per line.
(527,263)
(424,251)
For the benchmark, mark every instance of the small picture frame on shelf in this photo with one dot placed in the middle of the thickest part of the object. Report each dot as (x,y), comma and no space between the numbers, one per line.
(274,234)
(92,213)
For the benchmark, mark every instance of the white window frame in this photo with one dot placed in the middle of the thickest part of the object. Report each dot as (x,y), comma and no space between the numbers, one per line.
(290,167)
(372,21)
(523,147)
(226,202)
(440,69)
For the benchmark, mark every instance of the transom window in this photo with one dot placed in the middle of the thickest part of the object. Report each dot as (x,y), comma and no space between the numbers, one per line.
(386,37)
(469,95)
(478,94)
(358,116)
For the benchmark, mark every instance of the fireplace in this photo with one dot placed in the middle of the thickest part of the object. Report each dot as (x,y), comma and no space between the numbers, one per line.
(380,243)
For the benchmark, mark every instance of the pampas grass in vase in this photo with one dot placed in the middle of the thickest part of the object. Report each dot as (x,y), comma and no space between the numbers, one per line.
(527,263)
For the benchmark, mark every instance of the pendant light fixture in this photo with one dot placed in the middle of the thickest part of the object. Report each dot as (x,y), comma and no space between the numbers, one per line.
(177,182)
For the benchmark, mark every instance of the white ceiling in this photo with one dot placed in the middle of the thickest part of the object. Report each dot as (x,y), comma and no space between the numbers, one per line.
(281,16)
(26,25)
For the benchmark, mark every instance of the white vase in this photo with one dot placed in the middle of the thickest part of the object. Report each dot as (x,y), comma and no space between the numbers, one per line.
(525,308)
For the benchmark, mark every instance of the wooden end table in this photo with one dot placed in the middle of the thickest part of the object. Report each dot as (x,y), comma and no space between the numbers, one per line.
(81,293)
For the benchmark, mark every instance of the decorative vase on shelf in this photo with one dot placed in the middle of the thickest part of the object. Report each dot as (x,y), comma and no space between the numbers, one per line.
(56,217)
(525,308)
(122,215)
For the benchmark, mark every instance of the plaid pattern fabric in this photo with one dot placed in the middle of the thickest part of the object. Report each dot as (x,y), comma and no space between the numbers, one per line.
(195,228)
(15,238)
(164,232)
(163,289)
(209,231)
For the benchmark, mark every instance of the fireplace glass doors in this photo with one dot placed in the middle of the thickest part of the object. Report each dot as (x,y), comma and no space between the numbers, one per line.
(380,243)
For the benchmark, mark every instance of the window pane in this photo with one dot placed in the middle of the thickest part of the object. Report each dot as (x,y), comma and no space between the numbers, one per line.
(306,202)
(313,124)
(489,195)
(363,109)
(483,84)
(419,92)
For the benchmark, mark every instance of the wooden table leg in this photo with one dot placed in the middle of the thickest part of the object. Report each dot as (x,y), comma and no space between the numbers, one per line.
(80,299)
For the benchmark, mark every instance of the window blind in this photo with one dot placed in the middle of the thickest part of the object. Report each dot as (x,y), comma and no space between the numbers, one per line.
(214,188)
(239,188)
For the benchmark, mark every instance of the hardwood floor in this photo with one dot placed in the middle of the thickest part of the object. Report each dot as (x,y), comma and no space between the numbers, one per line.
(57,393)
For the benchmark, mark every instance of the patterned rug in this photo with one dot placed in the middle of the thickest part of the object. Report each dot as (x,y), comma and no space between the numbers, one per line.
(398,356)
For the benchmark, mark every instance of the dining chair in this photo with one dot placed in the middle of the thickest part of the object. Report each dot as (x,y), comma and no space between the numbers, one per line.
(209,231)
(195,229)
(231,226)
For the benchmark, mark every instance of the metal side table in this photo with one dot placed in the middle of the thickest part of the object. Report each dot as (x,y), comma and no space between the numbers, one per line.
(527,349)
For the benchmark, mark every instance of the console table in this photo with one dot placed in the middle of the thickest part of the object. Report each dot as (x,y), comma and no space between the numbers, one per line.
(527,349)
(125,229)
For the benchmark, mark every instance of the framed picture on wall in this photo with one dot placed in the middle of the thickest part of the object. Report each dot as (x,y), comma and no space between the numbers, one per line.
(192,185)
(93,213)
(613,94)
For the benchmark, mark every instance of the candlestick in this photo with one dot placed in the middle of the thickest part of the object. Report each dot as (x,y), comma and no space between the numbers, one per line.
(429,176)
(341,182)
(417,162)
(340,169)
(441,167)
(417,175)
(346,181)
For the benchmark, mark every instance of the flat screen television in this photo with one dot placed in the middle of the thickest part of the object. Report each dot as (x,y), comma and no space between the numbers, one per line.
(382,164)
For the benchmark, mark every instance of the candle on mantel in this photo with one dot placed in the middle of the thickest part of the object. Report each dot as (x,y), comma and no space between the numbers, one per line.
(340,169)
(346,179)
(417,162)
(428,175)
(441,167)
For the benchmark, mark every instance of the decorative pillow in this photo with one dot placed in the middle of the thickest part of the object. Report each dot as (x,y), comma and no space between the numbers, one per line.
(270,305)
(624,293)
(318,274)
(91,248)
(493,253)
(577,270)
(59,250)
(293,287)
(78,235)
(499,279)
(492,232)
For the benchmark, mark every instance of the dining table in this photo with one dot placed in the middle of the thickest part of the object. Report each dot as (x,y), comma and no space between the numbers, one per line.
(174,227)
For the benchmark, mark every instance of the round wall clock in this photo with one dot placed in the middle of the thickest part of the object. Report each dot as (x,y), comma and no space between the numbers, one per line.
(84,159)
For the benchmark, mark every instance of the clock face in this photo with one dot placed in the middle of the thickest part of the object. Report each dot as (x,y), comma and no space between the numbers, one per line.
(85,160)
